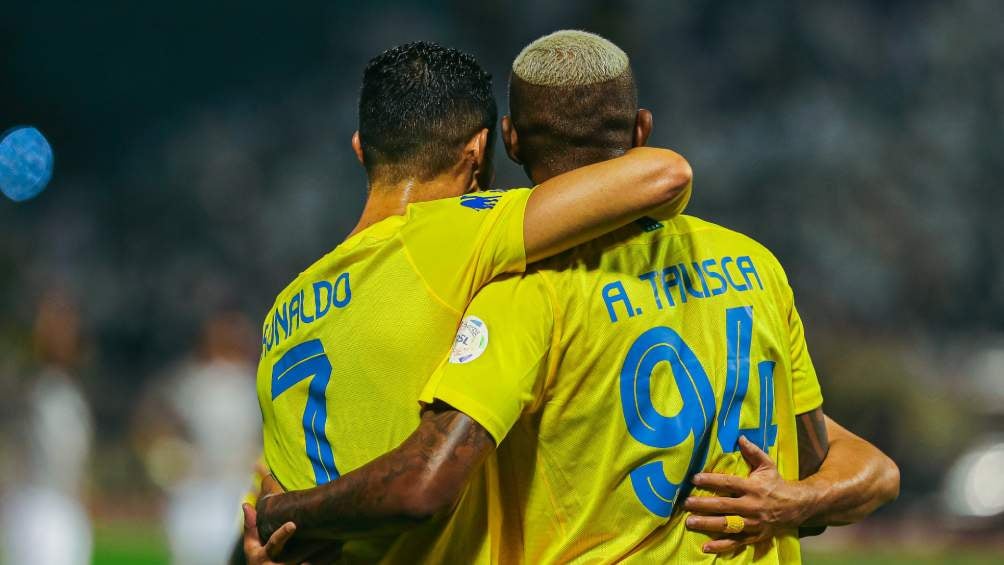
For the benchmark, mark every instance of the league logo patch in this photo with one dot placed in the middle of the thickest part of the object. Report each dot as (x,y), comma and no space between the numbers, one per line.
(471,341)
(475,202)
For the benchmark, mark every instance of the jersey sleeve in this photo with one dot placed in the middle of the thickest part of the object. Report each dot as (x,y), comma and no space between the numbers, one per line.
(805,384)
(498,366)
(459,244)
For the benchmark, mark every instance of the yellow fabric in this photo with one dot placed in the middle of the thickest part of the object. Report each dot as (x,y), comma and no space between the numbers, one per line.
(374,317)
(549,382)
(257,476)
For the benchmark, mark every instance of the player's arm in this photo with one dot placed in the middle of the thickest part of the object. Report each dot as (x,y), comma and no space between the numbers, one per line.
(843,479)
(418,480)
(582,204)
(852,480)
(466,415)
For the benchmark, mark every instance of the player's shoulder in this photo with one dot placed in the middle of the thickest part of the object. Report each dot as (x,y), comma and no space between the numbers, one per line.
(327,267)
(736,242)
(519,294)
(516,286)
(470,205)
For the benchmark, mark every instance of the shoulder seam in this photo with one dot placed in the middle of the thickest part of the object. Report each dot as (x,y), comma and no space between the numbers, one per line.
(421,277)
(557,332)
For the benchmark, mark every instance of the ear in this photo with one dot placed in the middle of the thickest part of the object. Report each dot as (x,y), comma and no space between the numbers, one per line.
(477,156)
(510,139)
(642,128)
(476,150)
(357,147)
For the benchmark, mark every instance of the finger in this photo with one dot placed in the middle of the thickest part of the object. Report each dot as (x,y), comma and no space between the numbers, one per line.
(731,543)
(278,540)
(717,505)
(753,455)
(721,483)
(718,546)
(719,525)
(250,524)
(709,524)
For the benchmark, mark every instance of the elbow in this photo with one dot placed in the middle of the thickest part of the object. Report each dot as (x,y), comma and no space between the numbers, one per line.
(890,482)
(427,500)
(672,179)
(420,508)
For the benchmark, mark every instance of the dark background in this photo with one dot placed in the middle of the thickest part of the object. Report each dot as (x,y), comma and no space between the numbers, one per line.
(203,159)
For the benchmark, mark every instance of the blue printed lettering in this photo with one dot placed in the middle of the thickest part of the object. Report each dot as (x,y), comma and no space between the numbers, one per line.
(303,309)
(666,283)
(745,265)
(704,283)
(714,275)
(613,293)
(732,283)
(294,311)
(650,277)
(289,315)
(686,281)
(319,310)
(342,287)
(706,266)
(283,320)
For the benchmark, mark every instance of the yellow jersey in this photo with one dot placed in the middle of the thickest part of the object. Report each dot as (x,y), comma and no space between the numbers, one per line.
(616,371)
(349,344)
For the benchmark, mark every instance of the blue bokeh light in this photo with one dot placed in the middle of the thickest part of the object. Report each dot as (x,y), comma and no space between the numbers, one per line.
(26,163)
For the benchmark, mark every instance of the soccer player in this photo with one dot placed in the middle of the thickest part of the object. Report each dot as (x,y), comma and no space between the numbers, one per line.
(349,344)
(614,373)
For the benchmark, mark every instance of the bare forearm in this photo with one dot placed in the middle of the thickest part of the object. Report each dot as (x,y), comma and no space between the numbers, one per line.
(854,480)
(582,204)
(355,505)
(412,483)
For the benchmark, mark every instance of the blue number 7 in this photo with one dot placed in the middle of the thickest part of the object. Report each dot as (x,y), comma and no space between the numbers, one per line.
(304,361)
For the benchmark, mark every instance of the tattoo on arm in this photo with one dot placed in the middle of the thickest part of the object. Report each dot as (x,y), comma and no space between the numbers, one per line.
(813,442)
(422,476)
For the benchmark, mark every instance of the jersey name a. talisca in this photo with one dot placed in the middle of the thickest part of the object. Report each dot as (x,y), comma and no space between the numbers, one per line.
(612,373)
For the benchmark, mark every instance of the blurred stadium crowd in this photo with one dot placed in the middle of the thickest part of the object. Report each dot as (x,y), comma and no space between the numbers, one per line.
(203,159)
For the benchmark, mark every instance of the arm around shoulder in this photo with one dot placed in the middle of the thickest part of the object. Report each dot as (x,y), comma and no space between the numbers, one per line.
(854,479)
(419,479)
(582,204)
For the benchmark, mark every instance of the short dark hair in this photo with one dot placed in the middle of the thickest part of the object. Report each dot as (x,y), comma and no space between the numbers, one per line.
(418,104)
(571,126)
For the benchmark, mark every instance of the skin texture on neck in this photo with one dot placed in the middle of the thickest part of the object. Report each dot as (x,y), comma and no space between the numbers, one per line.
(544,171)
(386,198)
(540,168)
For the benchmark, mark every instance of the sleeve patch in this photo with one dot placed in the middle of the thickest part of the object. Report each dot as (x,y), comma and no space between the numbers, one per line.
(471,341)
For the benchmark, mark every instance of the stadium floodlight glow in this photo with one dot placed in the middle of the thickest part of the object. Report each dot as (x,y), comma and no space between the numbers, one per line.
(973,488)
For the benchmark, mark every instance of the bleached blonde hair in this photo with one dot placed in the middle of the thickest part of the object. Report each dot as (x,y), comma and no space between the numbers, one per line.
(570,58)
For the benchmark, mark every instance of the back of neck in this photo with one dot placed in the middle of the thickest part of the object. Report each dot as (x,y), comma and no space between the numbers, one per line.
(541,170)
(386,200)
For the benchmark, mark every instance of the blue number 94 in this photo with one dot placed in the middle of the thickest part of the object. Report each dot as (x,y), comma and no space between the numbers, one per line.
(648,426)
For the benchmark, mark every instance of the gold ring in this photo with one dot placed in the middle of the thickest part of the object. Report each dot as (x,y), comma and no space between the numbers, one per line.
(734,524)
